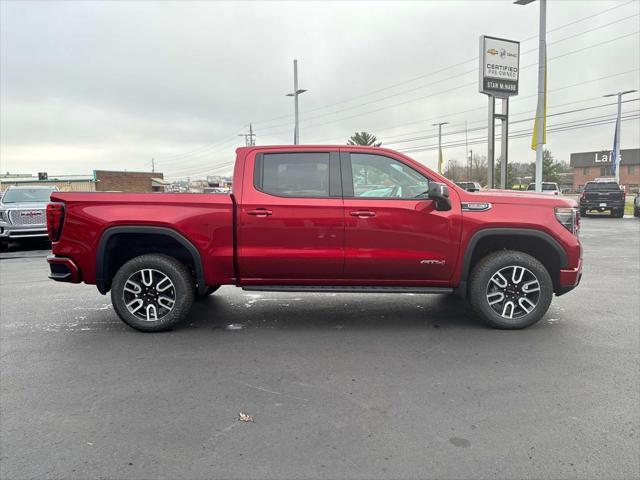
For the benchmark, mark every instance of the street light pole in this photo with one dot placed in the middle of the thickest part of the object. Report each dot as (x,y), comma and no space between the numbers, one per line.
(439,125)
(296,92)
(542,66)
(616,138)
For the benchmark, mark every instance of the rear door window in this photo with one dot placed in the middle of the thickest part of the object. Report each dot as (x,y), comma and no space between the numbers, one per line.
(302,175)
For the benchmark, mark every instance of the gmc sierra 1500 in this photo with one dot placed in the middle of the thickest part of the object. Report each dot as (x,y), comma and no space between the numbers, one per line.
(319,219)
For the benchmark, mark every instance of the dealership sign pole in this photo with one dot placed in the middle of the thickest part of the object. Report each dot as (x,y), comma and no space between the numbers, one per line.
(499,74)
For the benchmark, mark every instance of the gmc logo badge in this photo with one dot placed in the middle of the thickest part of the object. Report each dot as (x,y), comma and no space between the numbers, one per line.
(30,213)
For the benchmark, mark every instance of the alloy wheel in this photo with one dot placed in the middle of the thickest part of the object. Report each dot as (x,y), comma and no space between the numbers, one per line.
(149,294)
(513,291)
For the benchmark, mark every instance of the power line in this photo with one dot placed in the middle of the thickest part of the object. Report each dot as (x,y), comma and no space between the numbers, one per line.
(584,82)
(200,148)
(212,165)
(450,66)
(467,72)
(405,140)
(455,88)
(205,149)
(524,133)
(572,124)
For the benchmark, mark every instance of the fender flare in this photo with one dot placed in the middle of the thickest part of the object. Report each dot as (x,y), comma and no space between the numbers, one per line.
(485,232)
(103,283)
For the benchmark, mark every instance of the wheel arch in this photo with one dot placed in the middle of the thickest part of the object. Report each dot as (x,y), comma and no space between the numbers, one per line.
(167,240)
(536,243)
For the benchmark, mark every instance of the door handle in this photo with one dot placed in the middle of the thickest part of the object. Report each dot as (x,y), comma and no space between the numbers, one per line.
(260,212)
(362,213)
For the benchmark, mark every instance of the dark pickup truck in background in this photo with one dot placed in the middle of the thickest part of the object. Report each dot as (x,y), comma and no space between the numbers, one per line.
(601,196)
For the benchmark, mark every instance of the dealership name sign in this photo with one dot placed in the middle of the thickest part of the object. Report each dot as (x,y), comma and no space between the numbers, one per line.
(499,66)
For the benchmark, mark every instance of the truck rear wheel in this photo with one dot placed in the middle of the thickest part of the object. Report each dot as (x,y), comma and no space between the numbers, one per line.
(152,292)
(510,290)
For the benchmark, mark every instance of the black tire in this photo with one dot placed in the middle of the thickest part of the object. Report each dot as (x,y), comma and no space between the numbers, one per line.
(480,288)
(209,291)
(583,212)
(636,212)
(620,213)
(182,292)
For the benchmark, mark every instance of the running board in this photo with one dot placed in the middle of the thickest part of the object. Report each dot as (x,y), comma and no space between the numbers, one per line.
(344,289)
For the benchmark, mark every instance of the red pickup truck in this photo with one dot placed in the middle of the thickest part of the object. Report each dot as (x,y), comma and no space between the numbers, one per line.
(319,219)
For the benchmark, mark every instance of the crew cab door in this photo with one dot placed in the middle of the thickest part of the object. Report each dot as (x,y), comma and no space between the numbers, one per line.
(393,234)
(290,220)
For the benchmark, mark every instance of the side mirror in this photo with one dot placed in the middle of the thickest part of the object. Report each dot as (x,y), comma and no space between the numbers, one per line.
(439,193)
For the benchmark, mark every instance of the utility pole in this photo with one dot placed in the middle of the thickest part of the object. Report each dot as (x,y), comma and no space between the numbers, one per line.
(542,93)
(615,160)
(466,146)
(542,87)
(504,152)
(252,140)
(439,125)
(249,138)
(470,165)
(296,91)
(153,165)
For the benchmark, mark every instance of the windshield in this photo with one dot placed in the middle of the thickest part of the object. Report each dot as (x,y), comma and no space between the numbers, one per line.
(601,186)
(17,195)
(545,186)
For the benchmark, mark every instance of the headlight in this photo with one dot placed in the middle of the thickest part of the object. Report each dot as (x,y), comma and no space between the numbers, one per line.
(569,218)
(4,218)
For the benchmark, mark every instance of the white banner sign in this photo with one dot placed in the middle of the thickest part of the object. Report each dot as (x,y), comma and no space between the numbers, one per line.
(499,66)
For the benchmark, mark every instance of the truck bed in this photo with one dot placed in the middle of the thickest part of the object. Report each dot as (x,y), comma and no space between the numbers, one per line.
(205,220)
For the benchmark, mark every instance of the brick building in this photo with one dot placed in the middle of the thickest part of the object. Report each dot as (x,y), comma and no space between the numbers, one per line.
(118,181)
(588,166)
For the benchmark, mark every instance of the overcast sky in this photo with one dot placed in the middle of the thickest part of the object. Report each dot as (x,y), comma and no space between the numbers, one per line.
(111,85)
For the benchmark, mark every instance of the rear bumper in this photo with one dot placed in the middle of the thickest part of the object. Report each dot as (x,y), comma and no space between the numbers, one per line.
(569,279)
(595,204)
(63,269)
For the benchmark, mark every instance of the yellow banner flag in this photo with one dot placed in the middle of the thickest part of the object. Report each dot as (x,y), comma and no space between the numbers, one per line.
(541,116)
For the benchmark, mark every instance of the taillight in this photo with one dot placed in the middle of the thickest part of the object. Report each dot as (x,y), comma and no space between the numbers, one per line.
(55,218)
(569,218)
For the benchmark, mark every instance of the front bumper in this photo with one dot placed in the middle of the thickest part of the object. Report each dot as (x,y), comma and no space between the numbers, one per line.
(9,231)
(569,278)
(63,269)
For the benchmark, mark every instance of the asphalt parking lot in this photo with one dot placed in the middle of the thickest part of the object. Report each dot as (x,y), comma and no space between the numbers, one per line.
(340,386)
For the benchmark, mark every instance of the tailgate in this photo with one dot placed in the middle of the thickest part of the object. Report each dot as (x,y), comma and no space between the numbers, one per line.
(611,196)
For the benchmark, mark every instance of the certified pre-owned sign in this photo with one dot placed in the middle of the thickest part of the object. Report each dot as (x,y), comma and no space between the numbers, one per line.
(499,66)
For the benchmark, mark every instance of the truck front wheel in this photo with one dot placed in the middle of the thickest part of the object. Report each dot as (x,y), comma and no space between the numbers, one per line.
(510,290)
(152,292)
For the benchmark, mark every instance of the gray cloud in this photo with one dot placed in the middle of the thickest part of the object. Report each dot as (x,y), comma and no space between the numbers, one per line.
(112,84)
